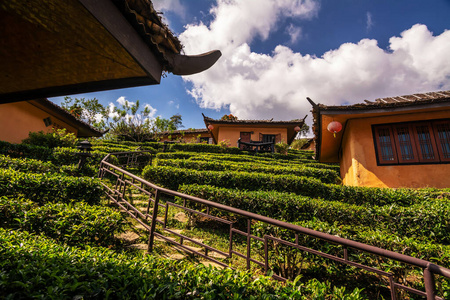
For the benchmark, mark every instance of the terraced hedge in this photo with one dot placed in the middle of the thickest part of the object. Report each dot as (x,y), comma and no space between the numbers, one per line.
(37,267)
(427,221)
(25,151)
(326,176)
(27,164)
(75,223)
(48,187)
(172,178)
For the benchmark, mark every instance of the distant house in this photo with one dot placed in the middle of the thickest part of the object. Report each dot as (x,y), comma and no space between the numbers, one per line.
(252,130)
(19,118)
(401,141)
(187,136)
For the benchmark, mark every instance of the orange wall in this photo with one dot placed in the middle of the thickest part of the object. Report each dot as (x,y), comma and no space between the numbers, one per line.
(232,133)
(359,162)
(19,118)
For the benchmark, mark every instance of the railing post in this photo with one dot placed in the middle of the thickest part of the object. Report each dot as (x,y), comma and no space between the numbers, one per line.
(153,225)
(430,286)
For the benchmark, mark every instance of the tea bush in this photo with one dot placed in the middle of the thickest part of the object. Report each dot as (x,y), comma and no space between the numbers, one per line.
(171,178)
(427,220)
(204,148)
(326,176)
(27,165)
(36,267)
(44,188)
(75,223)
(25,151)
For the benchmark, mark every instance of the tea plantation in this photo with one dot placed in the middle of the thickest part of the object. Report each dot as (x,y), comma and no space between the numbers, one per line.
(59,235)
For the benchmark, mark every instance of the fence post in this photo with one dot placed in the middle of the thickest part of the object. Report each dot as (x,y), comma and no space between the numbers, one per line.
(153,225)
(430,286)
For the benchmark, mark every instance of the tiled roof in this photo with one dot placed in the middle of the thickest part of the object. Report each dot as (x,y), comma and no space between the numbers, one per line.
(146,20)
(394,102)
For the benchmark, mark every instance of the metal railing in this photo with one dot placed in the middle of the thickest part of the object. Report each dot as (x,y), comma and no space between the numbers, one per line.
(150,220)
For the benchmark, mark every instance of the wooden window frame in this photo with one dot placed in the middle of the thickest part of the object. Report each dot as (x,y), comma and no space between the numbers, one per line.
(414,142)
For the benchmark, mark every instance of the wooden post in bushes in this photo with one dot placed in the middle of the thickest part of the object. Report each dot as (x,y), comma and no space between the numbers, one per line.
(153,225)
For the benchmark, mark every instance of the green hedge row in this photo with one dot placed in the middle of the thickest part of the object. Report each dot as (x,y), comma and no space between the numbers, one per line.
(44,188)
(75,223)
(174,155)
(326,176)
(428,220)
(36,267)
(252,158)
(129,144)
(24,150)
(38,166)
(171,178)
(27,165)
(68,156)
(203,148)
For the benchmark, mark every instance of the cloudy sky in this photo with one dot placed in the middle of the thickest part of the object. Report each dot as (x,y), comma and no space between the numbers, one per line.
(277,53)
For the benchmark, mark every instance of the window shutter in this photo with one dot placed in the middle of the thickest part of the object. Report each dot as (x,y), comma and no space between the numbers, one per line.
(442,137)
(385,149)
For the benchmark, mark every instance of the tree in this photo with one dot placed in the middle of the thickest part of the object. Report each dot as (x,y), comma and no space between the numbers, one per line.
(130,124)
(229,117)
(175,122)
(87,110)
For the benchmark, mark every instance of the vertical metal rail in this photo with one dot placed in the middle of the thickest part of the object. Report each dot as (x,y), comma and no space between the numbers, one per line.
(153,224)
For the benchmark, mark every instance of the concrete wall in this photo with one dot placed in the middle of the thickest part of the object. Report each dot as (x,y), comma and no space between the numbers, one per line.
(19,118)
(232,133)
(359,162)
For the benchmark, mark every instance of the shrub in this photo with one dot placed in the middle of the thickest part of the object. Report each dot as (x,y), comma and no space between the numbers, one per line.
(68,156)
(70,223)
(426,220)
(25,151)
(36,267)
(282,148)
(204,148)
(58,138)
(43,188)
(172,177)
(323,175)
(27,165)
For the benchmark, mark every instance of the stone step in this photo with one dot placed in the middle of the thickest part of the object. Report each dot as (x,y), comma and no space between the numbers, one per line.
(139,246)
(129,236)
(212,264)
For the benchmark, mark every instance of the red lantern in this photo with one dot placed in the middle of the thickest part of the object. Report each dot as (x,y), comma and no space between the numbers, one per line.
(334,127)
(210,127)
(297,128)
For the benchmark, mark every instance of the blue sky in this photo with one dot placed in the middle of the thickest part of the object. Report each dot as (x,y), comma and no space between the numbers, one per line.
(277,53)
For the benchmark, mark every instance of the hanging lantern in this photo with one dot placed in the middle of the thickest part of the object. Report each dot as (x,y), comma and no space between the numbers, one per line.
(297,128)
(210,127)
(334,127)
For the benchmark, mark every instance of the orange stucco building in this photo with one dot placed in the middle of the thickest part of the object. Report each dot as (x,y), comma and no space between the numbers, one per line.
(393,142)
(18,119)
(252,130)
(187,136)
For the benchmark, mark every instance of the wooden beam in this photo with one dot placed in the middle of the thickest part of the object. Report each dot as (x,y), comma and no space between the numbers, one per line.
(116,24)
(75,89)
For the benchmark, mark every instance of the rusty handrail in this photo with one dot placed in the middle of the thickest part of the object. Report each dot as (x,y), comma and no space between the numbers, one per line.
(428,267)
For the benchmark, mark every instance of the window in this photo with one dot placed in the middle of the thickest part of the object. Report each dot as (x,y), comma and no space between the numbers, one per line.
(415,142)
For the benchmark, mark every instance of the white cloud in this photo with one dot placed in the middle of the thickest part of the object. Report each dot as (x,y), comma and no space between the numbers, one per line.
(294,32)
(254,85)
(369,21)
(170,5)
